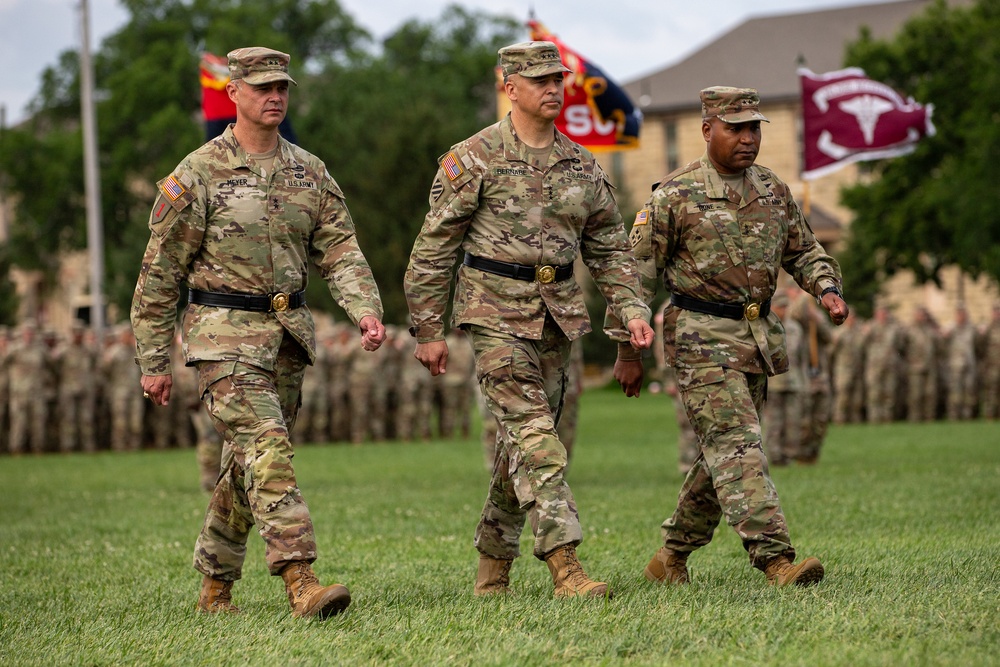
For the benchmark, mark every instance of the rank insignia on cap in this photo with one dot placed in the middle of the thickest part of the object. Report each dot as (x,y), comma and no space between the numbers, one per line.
(642,217)
(451,166)
(172,188)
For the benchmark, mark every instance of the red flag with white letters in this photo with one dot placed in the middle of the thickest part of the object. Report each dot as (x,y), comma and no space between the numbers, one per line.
(847,117)
(597,112)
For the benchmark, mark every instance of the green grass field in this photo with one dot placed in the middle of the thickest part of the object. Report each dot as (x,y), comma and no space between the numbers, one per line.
(96,566)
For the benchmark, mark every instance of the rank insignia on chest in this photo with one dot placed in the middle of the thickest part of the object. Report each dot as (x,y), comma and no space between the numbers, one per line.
(172,188)
(642,217)
(451,166)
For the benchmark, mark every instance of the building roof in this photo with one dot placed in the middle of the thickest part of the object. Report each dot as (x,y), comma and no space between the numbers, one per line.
(764,53)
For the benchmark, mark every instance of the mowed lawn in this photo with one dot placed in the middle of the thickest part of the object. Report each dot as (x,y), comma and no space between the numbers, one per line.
(96,566)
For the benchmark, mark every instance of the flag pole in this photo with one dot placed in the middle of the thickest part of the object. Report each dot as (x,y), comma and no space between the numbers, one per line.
(91,176)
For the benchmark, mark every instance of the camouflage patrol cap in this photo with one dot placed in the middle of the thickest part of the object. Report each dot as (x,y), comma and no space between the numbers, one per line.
(259,64)
(531,59)
(731,105)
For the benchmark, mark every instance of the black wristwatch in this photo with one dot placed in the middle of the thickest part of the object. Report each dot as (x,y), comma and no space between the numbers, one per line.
(832,288)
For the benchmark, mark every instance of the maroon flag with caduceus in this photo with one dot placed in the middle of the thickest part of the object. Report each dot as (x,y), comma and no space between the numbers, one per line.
(847,117)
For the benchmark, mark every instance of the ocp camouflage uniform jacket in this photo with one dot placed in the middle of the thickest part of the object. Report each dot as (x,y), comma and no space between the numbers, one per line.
(705,243)
(489,200)
(222,226)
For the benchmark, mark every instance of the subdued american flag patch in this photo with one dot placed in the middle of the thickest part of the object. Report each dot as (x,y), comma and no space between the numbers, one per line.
(451,166)
(172,188)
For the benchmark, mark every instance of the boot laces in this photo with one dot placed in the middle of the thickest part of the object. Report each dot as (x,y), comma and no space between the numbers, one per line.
(503,579)
(574,571)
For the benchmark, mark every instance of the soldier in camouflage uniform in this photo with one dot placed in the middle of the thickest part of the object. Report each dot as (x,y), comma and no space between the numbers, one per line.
(848,353)
(717,232)
(362,379)
(817,407)
(413,394)
(523,201)
(28,406)
(884,345)
(922,351)
(125,406)
(990,365)
(4,390)
(341,347)
(456,387)
(75,364)
(786,393)
(960,356)
(312,422)
(237,221)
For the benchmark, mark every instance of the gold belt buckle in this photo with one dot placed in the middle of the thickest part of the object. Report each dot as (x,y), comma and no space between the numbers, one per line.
(751,311)
(279,302)
(545,274)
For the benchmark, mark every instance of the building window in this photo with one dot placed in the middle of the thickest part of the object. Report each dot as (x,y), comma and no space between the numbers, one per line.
(670,144)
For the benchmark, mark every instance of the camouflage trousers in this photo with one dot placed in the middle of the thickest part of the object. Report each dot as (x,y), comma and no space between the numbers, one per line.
(783,415)
(730,476)
(921,395)
(76,422)
(687,441)
(254,409)
(208,448)
(522,382)
(817,409)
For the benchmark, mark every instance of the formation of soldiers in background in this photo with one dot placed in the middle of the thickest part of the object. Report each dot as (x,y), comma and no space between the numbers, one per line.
(873,371)
(62,393)
(66,394)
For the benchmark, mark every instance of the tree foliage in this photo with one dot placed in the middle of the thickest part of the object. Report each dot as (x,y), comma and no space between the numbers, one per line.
(939,206)
(381,125)
(379,117)
(148,119)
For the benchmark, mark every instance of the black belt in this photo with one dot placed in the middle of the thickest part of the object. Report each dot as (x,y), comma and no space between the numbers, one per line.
(262,303)
(733,311)
(543,273)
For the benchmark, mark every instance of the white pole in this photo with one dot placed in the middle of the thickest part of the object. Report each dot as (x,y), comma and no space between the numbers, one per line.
(92,177)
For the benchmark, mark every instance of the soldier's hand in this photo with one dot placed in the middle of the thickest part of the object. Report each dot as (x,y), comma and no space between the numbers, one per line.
(836,306)
(433,355)
(372,332)
(157,388)
(642,334)
(629,375)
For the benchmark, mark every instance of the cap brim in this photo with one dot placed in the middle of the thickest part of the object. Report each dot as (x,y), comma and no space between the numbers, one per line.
(743,117)
(258,78)
(536,71)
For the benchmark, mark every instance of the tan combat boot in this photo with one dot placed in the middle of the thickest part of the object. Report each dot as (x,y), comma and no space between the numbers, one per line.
(493,577)
(216,597)
(308,597)
(781,572)
(667,567)
(569,578)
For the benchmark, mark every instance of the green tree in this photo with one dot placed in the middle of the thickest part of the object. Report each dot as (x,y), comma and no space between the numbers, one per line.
(148,119)
(939,206)
(380,125)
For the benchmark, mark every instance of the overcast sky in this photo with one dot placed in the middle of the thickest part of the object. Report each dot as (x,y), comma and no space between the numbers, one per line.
(625,38)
